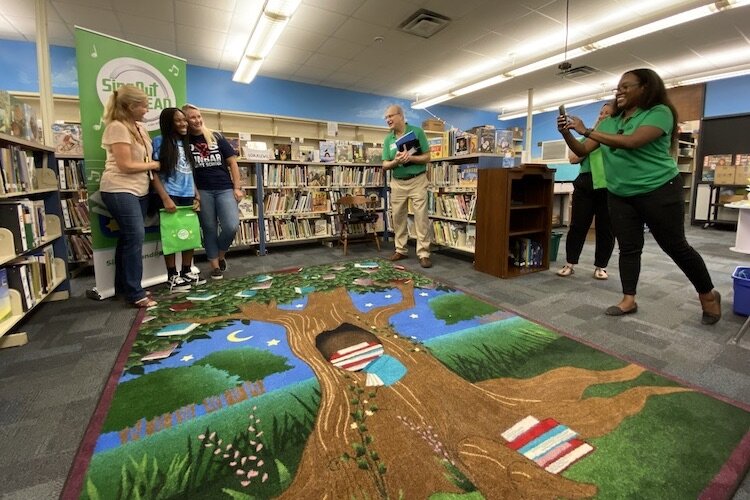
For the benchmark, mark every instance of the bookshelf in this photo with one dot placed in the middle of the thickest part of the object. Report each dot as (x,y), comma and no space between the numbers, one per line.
(514,220)
(75,212)
(295,202)
(33,255)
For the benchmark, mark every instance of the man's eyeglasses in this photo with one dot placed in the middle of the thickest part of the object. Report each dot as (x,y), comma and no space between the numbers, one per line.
(388,117)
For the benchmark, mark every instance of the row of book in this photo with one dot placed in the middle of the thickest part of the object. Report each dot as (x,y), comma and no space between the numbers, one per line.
(75,213)
(344,152)
(247,233)
(18,118)
(525,252)
(33,276)
(456,206)
(447,174)
(454,235)
(297,202)
(17,170)
(278,229)
(80,248)
(25,219)
(71,174)
(485,139)
(320,176)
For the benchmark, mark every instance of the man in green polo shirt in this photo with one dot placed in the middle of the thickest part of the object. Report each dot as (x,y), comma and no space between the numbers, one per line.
(408,182)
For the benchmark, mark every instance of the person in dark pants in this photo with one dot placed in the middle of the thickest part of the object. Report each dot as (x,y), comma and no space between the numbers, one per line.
(589,201)
(644,185)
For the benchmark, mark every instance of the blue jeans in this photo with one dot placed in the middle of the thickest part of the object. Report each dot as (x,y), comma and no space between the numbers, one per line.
(219,218)
(129,212)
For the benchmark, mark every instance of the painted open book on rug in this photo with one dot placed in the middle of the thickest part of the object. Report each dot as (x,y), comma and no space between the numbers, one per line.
(367,380)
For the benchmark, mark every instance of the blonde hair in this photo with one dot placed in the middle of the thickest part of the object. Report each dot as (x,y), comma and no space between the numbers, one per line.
(208,134)
(119,103)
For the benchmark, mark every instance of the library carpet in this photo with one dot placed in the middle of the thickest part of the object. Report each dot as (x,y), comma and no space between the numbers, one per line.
(364,379)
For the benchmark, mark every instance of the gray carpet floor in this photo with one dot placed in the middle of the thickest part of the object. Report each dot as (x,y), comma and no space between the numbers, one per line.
(49,387)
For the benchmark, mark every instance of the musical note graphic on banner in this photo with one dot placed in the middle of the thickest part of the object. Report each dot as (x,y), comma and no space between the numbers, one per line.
(98,126)
(174,70)
(94,53)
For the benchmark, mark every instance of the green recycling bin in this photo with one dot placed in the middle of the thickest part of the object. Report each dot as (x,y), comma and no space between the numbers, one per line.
(554,245)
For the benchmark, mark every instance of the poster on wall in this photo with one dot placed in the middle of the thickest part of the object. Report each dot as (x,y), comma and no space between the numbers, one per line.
(104,64)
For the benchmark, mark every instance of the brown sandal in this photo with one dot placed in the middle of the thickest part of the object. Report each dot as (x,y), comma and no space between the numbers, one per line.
(710,318)
(146,302)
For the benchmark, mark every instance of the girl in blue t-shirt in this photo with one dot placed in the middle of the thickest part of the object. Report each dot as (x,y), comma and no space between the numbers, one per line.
(175,187)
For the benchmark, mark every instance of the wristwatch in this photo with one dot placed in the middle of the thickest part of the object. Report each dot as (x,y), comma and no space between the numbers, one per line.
(587,132)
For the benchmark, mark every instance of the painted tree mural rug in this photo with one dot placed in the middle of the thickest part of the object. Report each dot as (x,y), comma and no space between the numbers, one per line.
(365,380)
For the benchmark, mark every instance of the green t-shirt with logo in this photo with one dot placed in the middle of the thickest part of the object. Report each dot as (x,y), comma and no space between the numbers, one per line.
(637,171)
(593,164)
(389,152)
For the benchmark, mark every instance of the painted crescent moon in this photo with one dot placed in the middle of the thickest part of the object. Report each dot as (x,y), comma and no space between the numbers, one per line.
(232,337)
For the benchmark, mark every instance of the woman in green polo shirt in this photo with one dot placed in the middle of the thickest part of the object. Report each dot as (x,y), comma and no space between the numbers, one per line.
(644,184)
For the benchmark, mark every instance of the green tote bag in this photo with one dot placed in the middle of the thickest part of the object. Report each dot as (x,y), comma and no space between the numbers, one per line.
(180,230)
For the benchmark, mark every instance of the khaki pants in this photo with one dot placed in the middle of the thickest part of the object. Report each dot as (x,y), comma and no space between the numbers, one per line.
(416,190)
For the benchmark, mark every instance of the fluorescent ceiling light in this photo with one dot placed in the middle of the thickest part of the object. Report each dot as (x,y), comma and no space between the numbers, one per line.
(266,32)
(661,24)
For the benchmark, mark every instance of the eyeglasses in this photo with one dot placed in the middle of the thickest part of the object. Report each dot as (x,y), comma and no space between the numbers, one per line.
(625,87)
(388,117)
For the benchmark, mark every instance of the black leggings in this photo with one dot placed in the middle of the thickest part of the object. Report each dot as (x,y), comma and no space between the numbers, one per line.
(663,211)
(587,203)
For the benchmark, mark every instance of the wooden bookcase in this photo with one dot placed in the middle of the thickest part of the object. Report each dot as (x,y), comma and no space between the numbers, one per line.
(512,203)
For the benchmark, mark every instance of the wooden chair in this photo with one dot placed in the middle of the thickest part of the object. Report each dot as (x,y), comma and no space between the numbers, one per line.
(357,232)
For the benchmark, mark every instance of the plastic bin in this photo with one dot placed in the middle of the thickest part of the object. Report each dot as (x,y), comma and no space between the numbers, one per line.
(741,277)
(554,246)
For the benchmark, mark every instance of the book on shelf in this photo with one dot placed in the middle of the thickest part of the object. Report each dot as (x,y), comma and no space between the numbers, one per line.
(67,138)
(344,152)
(320,202)
(321,227)
(5,305)
(307,153)
(282,152)
(465,144)
(487,140)
(20,280)
(247,207)
(436,147)
(468,175)
(374,155)
(295,154)
(316,175)
(358,151)
(327,151)
(5,112)
(13,218)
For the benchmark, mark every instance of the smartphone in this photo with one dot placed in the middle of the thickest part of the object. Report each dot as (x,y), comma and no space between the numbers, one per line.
(562,110)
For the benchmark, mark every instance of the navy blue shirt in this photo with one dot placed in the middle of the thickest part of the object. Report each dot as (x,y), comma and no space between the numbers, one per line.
(211,167)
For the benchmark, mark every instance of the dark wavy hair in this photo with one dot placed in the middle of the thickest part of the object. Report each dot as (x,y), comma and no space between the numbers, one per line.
(654,93)
(168,151)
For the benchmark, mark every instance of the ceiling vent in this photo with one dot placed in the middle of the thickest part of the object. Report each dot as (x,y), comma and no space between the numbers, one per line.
(578,72)
(424,23)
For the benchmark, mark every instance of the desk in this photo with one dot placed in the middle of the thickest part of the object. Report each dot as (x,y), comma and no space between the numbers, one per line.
(742,239)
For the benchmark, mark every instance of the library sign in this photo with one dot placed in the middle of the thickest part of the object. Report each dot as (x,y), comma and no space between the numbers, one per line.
(129,70)
(104,64)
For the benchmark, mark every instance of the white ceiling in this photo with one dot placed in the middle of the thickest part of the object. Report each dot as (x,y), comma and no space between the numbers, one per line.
(332,42)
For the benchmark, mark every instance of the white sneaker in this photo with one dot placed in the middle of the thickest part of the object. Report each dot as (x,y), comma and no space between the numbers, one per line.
(194,278)
(178,284)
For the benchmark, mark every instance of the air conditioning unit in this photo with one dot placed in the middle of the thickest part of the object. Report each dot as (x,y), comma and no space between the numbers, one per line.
(554,151)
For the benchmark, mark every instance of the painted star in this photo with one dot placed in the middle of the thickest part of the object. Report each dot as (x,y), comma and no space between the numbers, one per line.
(414,316)
(423,294)
(369,304)
(187,358)
(273,342)
(388,296)
(299,306)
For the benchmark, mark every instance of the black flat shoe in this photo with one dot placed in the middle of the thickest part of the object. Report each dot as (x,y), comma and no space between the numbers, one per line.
(616,311)
(711,318)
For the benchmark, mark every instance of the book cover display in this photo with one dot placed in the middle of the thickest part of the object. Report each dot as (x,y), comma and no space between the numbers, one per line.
(327,151)
(68,138)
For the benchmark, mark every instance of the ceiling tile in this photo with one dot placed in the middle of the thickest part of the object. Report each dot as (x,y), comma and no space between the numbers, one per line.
(385,13)
(19,9)
(358,31)
(339,48)
(102,20)
(200,16)
(213,4)
(158,10)
(301,38)
(200,37)
(312,72)
(291,55)
(161,44)
(452,9)
(318,20)
(135,26)
(326,62)
(345,7)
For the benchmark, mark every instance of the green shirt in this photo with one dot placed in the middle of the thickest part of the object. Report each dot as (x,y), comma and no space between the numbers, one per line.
(637,171)
(593,164)
(389,152)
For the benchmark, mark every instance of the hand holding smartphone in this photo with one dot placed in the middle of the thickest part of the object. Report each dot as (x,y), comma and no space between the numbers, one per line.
(562,110)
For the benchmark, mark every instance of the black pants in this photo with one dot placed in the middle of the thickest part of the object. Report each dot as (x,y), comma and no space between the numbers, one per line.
(663,210)
(587,203)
